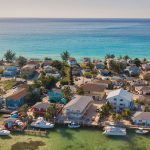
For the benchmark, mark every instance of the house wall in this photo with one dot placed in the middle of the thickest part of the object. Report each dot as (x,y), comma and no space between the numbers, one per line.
(10,103)
(120,103)
(76,114)
(140,122)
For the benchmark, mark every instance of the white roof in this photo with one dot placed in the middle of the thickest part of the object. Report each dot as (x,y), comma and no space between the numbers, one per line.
(120,92)
(78,103)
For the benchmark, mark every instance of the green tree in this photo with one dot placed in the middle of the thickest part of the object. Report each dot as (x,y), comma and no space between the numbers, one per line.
(21,61)
(126,57)
(71,81)
(48,82)
(57,64)
(65,56)
(109,56)
(51,112)
(137,62)
(80,91)
(9,56)
(67,93)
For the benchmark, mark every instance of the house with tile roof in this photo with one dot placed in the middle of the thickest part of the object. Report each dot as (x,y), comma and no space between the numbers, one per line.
(77,107)
(120,99)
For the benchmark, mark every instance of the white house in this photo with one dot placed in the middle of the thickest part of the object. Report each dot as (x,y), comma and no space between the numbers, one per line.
(140,118)
(77,107)
(120,99)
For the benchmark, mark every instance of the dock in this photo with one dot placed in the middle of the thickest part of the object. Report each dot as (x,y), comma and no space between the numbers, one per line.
(35,132)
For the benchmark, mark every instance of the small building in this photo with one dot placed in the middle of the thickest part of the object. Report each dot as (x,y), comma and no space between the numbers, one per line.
(105,72)
(72,61)
(28,71)
(76,70)
(34,62)
(146,66)
(77,107)
(99,65)
(86,60)
(95,89)
(143,90)
(10,71)
(40,108)
(145,75)
(15,99)
(120,99)
(132,70)
(141,118)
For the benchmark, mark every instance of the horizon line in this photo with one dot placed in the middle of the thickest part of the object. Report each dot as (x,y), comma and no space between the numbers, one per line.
(67,18)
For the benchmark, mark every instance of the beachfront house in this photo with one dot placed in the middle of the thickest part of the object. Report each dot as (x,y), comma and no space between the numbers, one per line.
(15,98)
(141,118)
(28,71)
(77,107)
(72,61)
(120,99)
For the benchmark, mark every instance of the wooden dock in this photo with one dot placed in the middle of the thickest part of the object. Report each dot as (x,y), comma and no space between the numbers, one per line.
(35,132)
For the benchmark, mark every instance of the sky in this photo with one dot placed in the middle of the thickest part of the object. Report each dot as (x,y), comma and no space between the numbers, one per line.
(75,8)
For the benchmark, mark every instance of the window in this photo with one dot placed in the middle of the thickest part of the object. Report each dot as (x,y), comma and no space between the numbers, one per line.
(115,99)
(121,99)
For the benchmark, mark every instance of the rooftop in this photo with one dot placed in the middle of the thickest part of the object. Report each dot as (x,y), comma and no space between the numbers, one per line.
(123,93)
(78,103)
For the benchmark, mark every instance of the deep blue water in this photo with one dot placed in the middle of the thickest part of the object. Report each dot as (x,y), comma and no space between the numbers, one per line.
(81,37)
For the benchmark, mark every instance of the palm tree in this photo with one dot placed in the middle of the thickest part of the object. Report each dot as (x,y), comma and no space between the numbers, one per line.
(65,56)
(9,56)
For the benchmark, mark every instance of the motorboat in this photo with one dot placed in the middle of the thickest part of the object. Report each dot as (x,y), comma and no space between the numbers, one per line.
(4,132)
(41,123)
(113,130)
(73,125)
(141,131)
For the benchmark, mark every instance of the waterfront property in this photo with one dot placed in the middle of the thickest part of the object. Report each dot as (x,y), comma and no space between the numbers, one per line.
(141,118)
(120,99)
(76,108)
(40,108)
(15,98)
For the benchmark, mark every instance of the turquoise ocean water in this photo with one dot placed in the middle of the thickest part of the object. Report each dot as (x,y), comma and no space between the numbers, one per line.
(81,37)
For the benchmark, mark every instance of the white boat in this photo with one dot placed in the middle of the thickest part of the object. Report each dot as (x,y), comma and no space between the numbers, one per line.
(73,125)
(41,123)
(112,130)
(4,132)
(141,131)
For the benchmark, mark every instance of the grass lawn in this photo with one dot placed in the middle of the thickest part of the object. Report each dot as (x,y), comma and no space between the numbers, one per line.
(8,84)
(82,139)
